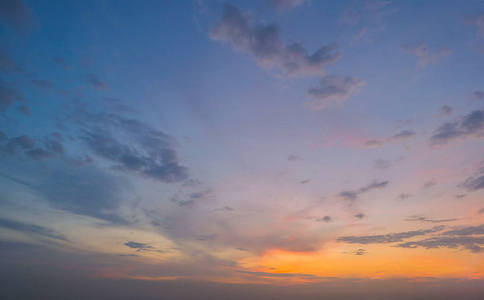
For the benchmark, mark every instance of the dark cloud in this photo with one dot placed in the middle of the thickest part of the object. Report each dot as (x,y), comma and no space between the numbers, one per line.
(293,157)
(8,96)
(404,134)
(424,56)
(326,219)
(481,211)
(460,196)
(16,12)
(133,145)
(359,216)
(445,110)
(333,90)
(387,238)
(139,246)
(402,197)
(305,181)
(353,195)
(425,219)
(464,127)
(95,82)
(31,229)
(264,43)
(39,154)
(467,242)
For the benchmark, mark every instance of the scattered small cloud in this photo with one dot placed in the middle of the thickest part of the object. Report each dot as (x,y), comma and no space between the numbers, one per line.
(293,157)
(387,238)
(325,219)
(445,110)
(305,181)
(424,56)
(224,209)
(425,219)
(333,90)
(96,82)
(285,5)
(402,197)
(430,183)
(360,252)
(470,125)
(404,134)
(43,84)
(351,196)
(477,96)
(481,211)
(360,216)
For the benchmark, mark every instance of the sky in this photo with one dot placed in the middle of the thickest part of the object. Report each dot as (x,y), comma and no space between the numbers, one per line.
(278,149)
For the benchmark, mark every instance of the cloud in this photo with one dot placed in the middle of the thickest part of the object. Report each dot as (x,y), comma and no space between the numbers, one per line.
(481,211)
(95,82)
(192,198)
(16,12)
(381,164)
(479,23)
(326,219)
(387,238)
(225,208)
(470,125)
(431,183)
(278,275)
(425,219)
(469,230)
(134,146)
(468,242)
(360,252)
(16,144)
(31,229)
(24,109)
(333,90)
(475,182)
(293,157)
(305,181)
(139,246)
(286,4)
(373,143)
(445,111)
(359,216)
(44,84)
(361,11)
(424,57)
(84,191)
(8,96)
(403,197)
(404,134)
(264,43)
(353,195)
(477,96)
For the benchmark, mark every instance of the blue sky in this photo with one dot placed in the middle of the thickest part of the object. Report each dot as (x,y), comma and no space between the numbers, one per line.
(290,143)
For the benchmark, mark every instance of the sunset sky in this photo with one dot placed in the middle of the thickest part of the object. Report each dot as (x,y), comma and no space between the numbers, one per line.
(279,149)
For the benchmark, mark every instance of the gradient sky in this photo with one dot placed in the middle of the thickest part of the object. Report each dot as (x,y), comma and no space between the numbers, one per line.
(258,149)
